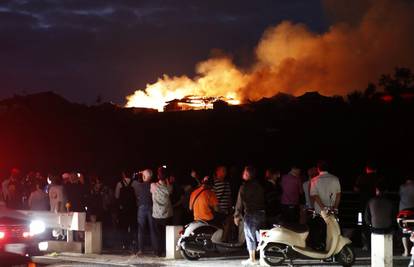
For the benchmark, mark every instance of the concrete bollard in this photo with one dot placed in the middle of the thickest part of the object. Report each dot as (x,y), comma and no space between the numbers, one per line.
(69,236)
(381,250)
(172,234)
(93,238)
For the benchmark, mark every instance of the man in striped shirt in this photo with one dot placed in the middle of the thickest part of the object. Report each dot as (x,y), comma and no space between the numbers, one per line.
(222,189)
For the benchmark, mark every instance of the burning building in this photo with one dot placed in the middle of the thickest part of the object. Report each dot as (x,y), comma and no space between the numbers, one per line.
(197,103)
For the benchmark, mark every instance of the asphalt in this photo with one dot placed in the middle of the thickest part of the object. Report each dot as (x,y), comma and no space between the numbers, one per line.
(76,259)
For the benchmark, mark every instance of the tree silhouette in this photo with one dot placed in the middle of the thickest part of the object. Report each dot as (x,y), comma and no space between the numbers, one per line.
(371,91)
(355,97)
(401,82)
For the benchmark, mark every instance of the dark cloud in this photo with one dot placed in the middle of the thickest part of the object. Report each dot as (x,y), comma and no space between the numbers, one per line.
(82,49)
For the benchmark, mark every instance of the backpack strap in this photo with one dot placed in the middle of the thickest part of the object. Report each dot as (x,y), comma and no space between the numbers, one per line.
(199,193)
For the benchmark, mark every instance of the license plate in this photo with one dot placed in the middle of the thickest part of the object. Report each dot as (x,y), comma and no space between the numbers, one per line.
(15,248)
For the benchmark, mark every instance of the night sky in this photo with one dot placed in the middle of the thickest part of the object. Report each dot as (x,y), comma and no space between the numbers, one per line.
(85,49)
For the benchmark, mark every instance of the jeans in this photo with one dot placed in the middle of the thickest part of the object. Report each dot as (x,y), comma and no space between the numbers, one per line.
(127,226)
(252,224)
(145,223)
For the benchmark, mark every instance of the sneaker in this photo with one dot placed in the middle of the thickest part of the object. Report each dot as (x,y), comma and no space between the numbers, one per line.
(248,262)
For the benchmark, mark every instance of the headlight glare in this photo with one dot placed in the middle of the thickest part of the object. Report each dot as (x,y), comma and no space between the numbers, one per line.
(37,227)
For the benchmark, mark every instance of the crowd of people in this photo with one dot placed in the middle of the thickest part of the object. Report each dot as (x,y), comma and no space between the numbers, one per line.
(142,204)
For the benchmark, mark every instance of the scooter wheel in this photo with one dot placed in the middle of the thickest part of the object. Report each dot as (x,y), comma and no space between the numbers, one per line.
(274,254)
(346,257)
(189,255)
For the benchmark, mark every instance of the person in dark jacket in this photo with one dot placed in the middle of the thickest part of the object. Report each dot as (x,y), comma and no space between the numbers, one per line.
(146,223)
(273,193)
(380,212)
(251,207)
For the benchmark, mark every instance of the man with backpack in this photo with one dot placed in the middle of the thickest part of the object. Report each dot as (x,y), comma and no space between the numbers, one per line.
(127,216)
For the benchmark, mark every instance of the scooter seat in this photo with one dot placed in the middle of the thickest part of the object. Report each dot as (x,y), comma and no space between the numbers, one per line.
(296,227)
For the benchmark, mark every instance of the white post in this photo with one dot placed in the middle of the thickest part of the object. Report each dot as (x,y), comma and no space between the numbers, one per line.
(69,236)
(381,250)
(93,238)
(172,234)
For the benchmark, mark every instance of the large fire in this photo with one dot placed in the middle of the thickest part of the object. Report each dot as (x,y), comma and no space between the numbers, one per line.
(376,37)
(217,78)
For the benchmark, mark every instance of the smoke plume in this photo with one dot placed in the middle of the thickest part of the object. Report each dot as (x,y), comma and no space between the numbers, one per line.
(367,38)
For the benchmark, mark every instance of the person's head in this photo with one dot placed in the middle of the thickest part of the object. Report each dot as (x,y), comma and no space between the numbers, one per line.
(194,173)
(39,184)
(162,173)
(409,178)
(126,175)
(97,184)
(147,175)
(55,179)
(295,171)
(249,173)
(322,166)
(207,181)
(15,173)
(221,172)
(38,175)
(66,178)
(370,168)
(313,172)
(74,178)
(272,174)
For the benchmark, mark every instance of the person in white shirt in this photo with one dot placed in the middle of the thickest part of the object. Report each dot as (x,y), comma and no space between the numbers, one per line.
(57,202)
(325,189)
(38,199)
(56,196)
(325,192)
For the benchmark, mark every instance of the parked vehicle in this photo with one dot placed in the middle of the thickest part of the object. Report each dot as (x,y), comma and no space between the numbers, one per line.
(200,239)
(18,237)
(287,243)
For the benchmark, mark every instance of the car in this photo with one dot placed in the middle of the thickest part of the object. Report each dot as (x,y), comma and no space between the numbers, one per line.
(19,237)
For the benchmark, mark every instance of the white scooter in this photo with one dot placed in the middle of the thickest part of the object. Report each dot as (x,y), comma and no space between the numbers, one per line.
(281,243)
(200,239)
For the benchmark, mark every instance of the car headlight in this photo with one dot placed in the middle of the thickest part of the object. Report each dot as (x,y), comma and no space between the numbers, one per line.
(37,227)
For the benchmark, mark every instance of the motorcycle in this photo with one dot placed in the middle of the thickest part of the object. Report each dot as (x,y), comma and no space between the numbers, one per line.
(287,243)
(200,239)
(405,220)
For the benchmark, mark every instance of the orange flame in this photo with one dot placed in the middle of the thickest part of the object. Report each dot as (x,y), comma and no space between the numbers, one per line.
(217,77)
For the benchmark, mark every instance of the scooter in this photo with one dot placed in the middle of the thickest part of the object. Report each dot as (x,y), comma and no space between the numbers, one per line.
(201,239)
(287,243)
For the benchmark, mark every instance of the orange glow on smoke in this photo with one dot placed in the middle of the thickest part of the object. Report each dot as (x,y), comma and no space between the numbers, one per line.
(292,59)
